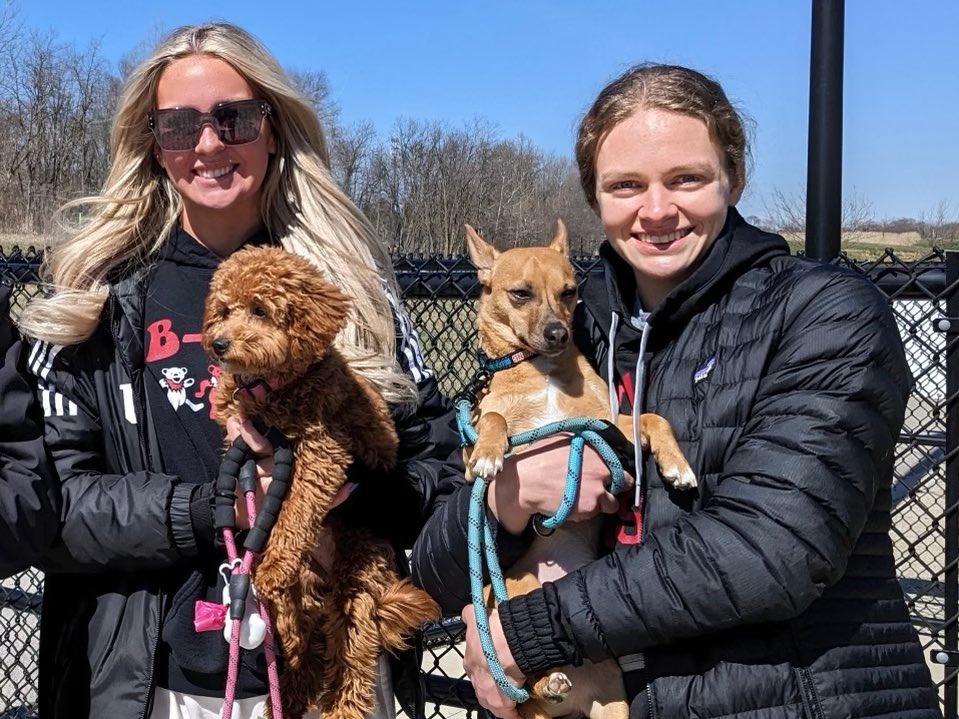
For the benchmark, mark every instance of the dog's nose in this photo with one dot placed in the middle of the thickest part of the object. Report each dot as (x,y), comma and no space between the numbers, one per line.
(220,345)
(556,334)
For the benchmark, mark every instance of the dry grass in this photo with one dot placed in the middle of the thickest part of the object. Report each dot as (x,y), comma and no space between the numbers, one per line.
(10,240)
(858,245)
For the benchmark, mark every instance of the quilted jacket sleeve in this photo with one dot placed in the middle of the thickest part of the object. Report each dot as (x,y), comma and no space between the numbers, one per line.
(29,500)
(794,496)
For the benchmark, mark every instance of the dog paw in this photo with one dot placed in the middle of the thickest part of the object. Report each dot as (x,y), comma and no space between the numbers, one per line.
(486,466)
(679,478)
(557,687)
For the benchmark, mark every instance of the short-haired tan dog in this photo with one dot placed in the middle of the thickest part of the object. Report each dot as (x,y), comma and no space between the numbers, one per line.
(270,319)
(526,303)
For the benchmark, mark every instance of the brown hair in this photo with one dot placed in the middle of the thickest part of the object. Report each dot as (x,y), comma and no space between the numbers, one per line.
(662,87)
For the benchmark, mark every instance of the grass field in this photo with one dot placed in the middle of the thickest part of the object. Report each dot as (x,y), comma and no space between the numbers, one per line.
(908,246)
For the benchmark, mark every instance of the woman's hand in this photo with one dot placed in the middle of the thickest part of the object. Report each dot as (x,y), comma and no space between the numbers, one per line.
(476,668)
(261,448)
(532,482)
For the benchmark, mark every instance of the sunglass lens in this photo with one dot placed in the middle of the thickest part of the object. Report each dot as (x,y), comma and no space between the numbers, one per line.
(239,123)
(177,129)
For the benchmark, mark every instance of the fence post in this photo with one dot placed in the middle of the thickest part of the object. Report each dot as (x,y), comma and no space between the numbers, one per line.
(824,168)
(950,613)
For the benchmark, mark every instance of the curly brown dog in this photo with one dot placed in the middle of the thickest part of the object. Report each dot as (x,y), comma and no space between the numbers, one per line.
(270,320)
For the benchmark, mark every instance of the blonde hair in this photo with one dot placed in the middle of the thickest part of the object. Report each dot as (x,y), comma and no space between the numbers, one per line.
(301,206)
(662,87)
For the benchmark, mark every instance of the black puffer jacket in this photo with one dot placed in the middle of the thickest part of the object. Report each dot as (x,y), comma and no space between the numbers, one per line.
(127,530)
(771,591)
(29,499)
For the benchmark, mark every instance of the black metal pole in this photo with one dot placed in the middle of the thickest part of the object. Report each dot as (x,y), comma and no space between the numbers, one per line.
(950,528)
(824,169)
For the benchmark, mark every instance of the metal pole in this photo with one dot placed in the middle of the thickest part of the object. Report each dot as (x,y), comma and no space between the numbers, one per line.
(824,168)
(950,527)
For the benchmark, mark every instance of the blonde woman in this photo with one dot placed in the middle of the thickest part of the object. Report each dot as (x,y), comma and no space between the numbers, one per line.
(212,149)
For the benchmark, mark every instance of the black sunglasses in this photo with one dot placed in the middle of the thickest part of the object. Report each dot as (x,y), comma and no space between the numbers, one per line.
(236,123)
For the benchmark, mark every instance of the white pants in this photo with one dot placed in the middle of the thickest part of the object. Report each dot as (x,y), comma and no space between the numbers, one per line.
(173,705)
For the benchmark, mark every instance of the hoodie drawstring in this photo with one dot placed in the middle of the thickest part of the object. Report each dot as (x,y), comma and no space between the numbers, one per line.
(611,371)
(642,323)
(638,391)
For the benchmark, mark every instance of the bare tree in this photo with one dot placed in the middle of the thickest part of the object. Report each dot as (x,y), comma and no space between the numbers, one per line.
(351,151)
(938,225)
(51,147)
(314,85)
(786,214)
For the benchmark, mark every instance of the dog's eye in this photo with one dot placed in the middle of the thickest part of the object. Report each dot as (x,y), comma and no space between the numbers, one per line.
(569,294)
(258,311)
(521,295)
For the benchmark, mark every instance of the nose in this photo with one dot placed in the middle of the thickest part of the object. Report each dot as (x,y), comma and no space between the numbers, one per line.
(556,334)
(209,140)
(220,346)
(658,205)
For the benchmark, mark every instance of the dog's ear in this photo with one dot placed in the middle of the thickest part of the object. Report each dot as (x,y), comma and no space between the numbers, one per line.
(317,314)
(559,239)
(481,253)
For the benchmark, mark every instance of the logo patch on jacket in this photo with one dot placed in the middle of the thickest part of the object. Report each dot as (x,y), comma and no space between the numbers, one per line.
(703,372)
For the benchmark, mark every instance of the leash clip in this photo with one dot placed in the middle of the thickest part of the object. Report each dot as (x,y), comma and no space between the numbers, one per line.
(227,568)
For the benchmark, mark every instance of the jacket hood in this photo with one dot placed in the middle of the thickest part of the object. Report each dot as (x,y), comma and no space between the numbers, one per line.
(739,247)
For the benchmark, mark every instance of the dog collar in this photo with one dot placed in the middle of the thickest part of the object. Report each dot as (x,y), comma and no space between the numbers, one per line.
(258,389)
(487,368)
(504,362)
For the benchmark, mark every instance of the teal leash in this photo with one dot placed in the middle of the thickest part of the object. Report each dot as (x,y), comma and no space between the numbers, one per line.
(599,434)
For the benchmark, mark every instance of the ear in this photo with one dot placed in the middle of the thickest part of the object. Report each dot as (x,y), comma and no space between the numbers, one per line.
(482,254)
(319,313)
(559,239)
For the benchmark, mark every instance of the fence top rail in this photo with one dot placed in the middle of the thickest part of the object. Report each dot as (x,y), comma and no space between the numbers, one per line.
(454,277)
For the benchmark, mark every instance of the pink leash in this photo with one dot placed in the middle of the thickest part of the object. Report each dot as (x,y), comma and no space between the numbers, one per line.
(236,468)
(243,568)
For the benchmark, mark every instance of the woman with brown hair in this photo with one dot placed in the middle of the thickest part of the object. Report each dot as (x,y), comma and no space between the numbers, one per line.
(771,590)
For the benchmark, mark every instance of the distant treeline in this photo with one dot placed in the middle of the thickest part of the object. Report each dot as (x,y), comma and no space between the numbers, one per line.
(418,186)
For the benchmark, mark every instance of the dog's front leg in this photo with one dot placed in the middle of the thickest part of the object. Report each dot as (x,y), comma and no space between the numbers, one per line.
(657,436)
(492,443)
(368,427)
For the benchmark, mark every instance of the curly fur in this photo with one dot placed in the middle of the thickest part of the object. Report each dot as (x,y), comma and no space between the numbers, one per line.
(279,317)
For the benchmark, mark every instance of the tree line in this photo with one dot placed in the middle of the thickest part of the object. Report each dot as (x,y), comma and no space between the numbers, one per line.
(418,186)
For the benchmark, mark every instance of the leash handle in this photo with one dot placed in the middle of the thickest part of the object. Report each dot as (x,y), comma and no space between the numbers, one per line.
(266,518)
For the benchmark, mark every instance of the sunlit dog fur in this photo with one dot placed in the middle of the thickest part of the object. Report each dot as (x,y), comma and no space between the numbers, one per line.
(526,303)
(276,317)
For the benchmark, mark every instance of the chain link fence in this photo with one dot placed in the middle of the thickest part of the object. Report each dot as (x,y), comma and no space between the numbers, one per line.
(439,294)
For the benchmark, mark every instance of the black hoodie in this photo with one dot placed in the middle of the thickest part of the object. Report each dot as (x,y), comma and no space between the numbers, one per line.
(771,589)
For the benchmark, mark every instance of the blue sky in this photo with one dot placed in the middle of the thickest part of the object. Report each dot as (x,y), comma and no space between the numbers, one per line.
(533,67)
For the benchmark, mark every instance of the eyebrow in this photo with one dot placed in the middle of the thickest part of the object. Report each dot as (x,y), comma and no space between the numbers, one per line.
(695,167)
